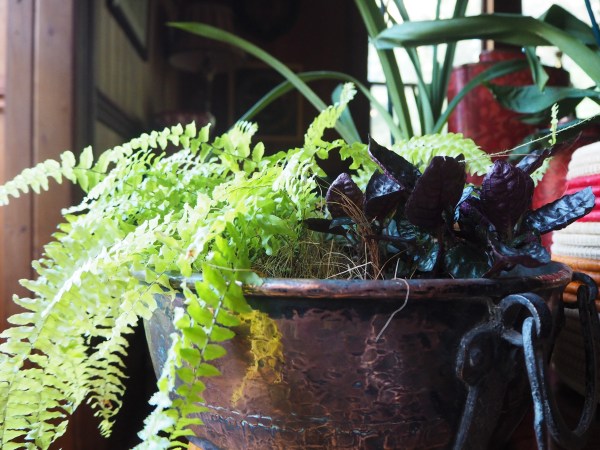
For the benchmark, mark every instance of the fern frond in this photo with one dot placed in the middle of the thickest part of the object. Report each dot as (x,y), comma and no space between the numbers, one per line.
(197,209)
(421,150)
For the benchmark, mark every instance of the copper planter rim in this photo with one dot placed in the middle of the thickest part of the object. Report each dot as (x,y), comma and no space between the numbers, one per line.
(548,276)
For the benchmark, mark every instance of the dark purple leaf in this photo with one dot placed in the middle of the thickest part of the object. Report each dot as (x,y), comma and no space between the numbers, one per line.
(402,235)
(506,193)
(428,257)
(535,159)
(393,165)
(324,226)
(466,261)
(341,222)
(439,189)
(532,254)
(525,237)
(399,244)
(471,216)
(381,196)
(405,229)
(466,194)
(561,212)
(344,197)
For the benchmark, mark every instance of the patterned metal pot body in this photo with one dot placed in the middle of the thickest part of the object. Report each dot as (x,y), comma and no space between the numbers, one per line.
(308,371)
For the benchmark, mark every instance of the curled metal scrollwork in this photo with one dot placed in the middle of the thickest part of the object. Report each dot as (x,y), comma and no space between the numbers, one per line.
(485,361)
(547,416)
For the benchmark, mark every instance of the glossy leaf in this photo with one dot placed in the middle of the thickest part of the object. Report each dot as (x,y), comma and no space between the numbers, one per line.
(344,198)
(506,193)
(538,73)
(394,244)
(512,29)
(428,256)
(403,235)
(324,226)
(505,257)
(465,260)
(566,108)
(381,195)
(534,160)
(437,191)
(561,212)
(466,194)
(530,100)
(561,18)
(393,165)
(473,224)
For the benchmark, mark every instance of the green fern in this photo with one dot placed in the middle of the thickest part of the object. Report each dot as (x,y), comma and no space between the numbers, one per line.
(212,208)
(215,208)
(420,151)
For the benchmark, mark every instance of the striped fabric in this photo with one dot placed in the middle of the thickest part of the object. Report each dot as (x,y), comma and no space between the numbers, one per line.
(578,245)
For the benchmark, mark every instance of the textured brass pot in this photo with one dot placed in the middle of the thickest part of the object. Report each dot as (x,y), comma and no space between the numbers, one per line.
(308,372)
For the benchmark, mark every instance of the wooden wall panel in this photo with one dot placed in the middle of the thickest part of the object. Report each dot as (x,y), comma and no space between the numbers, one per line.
(16,219)
(52,107)
(121,74)
(39,125)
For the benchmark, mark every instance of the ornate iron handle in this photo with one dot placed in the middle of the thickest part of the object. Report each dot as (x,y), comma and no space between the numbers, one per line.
(487,380)
(547,416)
(487,359)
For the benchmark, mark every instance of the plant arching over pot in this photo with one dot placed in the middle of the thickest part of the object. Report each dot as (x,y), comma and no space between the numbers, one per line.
(223,209)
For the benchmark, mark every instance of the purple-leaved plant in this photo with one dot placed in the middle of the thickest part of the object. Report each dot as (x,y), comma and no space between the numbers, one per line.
(434,224)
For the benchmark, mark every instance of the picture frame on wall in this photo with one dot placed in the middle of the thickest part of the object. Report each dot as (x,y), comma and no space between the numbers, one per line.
(132,16)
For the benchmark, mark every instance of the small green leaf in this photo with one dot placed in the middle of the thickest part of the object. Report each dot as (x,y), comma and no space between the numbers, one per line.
(86,159)
(186,374)
(207,370)
(191,355)
(190,130)
(201,315)
(249,277)
(204,133)
(220,334)
(196,335)
(188,390)
(227,319)
(213,351)
(207,294)
(214,278)
(185,266)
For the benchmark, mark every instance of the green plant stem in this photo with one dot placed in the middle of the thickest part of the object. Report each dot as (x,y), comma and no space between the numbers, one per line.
(287,86)
(595,28)
(217,34)
(373,20)
(442,81)
(497,70)
(507,28)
